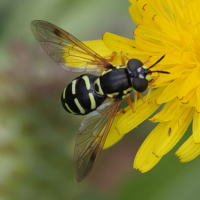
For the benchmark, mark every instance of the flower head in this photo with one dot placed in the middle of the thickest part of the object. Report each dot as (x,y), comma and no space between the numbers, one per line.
(170,28)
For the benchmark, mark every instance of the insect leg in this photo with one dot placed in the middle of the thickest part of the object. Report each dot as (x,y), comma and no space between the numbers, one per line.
(110,57)
(151,86)
(141,97)
(123,56)
(135,101)
(130,102)
(146,61)
(127,57)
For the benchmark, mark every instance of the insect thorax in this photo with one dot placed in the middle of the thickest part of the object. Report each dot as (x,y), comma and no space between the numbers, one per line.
(116,82)
(79,96)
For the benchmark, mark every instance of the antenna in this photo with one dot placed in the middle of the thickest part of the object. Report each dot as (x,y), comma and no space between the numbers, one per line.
(164,72)
(156,62)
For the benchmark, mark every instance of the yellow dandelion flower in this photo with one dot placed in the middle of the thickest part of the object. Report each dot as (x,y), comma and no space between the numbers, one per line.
(170,28)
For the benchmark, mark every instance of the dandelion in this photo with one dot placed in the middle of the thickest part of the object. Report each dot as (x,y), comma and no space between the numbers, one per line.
(170,28)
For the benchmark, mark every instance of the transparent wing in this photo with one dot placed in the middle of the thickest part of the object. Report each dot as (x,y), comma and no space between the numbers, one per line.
(65,49)
(91,138)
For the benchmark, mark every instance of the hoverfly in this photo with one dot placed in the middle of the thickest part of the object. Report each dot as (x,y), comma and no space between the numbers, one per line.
(97,96)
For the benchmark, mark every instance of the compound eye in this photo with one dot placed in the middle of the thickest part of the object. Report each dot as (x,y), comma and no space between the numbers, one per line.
(140,85)
(133,64)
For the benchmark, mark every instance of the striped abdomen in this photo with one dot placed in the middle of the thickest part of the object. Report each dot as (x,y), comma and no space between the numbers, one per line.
(79,96)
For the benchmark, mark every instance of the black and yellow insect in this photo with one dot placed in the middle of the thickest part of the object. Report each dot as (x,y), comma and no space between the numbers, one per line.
(97,96)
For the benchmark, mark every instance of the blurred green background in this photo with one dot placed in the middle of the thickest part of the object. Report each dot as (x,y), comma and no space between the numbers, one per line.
(37,136)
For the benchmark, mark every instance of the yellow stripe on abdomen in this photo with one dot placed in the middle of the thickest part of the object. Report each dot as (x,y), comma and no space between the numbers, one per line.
(92,100)
(82,111)
(70,109)
(97,87)
(74,86)
(87,82)
(64,93)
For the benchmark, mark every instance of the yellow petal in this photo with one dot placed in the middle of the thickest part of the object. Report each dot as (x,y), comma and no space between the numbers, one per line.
(168,112)
(198,99)
(188,60)
(136,11)
(167,79)
(132,1)
(117,43)
(152,161)
(130,120)
(167,27)
(191,82)
(173,131)
(160,141)
(193,11)
(98,46)
(148,17)
(148,34)
(188,151)
(149,46)
(162,9)
(170,92)
(145,159)
(196,127)
(113,136)
(170,59)
(193,102)
(120,44)
(186,101)
(171,43)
